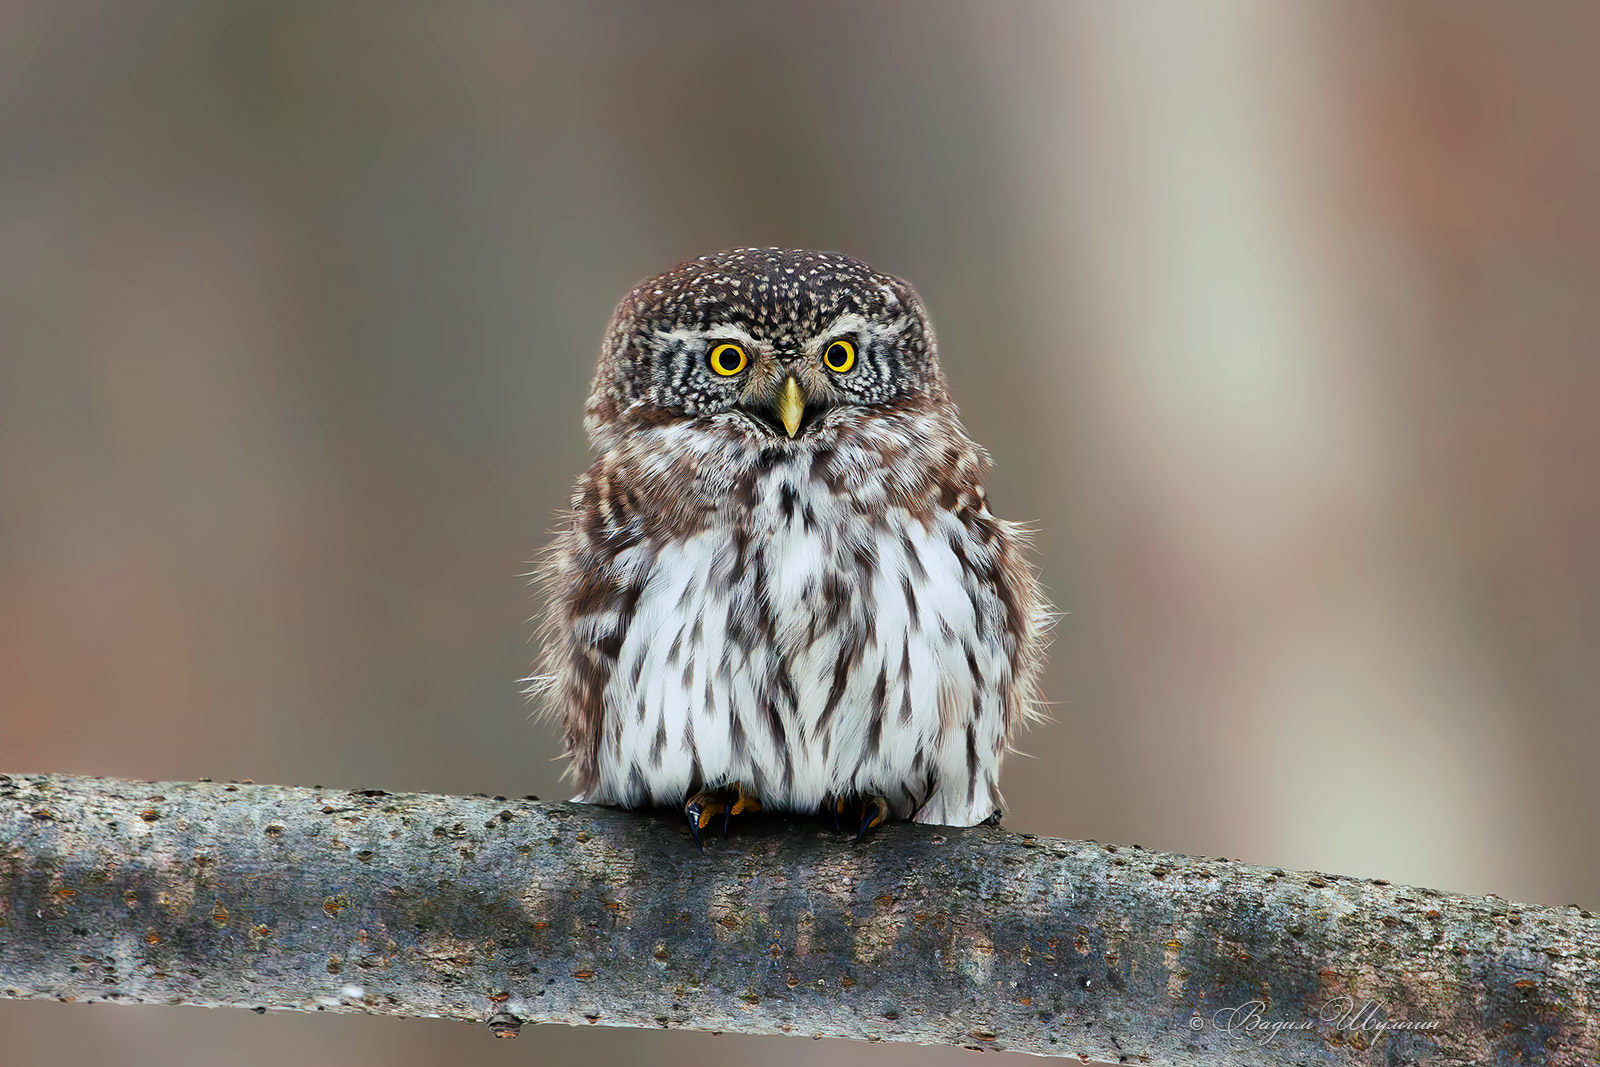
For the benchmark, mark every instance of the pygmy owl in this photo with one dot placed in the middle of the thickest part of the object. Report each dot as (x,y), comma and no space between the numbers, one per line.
(780,585)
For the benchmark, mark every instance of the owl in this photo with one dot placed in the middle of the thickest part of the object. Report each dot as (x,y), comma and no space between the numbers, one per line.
(780,585)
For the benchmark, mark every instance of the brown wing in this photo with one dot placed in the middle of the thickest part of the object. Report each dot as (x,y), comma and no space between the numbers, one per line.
(587,614)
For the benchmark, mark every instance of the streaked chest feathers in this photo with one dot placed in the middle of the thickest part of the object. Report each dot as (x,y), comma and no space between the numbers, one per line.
(814,649)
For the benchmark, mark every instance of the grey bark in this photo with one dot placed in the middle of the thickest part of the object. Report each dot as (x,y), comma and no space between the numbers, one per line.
(513,912)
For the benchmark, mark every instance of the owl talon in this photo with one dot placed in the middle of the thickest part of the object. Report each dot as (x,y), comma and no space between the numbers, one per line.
(700,810)
(867,812)
(726,801)
(694,832)
(874,811)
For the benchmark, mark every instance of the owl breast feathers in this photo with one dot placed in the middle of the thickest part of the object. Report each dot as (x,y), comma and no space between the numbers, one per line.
(781,575)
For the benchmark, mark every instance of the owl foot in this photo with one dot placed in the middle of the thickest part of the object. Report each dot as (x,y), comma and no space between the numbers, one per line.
(871,811)
(728,801)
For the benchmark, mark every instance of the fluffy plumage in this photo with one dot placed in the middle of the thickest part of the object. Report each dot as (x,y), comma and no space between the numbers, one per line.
(827,613)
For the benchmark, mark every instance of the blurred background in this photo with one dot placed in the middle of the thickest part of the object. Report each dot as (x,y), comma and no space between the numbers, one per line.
(1281,321)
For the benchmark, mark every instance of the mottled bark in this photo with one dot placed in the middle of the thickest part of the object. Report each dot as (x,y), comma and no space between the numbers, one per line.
(512,912)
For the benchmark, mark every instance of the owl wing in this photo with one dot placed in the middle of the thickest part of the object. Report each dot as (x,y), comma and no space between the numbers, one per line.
(1027,618)
(981,704)
(592,580)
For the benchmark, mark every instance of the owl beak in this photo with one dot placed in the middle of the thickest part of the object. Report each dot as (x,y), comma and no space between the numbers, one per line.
(791,406)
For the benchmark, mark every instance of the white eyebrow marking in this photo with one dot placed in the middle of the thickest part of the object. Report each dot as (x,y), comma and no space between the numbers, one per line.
(852,323)
(665,339)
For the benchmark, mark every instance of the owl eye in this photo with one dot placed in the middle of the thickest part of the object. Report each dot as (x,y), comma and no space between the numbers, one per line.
(728,359)
(840,356)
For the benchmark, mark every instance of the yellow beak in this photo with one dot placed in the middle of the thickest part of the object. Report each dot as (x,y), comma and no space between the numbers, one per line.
(791,406)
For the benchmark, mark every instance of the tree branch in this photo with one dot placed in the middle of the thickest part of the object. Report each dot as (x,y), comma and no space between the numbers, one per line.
(511,912)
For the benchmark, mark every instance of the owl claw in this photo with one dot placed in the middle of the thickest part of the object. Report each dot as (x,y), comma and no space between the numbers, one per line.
(727,801)
(700,810)
(872,809)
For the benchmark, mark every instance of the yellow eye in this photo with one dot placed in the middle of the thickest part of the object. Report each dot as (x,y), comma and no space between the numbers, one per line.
(728,359)
(840,356)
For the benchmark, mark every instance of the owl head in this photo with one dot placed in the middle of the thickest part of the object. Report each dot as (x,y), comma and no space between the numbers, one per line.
(786,346)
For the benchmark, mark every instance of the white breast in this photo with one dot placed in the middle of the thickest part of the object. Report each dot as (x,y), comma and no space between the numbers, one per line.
(731,673)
